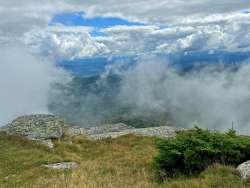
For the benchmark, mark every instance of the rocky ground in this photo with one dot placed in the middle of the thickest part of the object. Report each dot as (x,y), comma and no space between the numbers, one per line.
(46,128)
(116,130)
(39,127)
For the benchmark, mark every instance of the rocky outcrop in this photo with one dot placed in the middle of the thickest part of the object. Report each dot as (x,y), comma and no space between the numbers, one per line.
(116,130)
(37,127)
(47,127)
(244,170)
(162,132)
(108,128)
(74,130)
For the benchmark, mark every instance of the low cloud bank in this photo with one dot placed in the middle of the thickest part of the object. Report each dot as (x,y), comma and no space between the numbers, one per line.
(212,96)
(25,82)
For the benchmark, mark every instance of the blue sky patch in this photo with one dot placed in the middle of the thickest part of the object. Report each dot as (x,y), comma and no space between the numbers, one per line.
(97,33)
(79,19)
(247,11)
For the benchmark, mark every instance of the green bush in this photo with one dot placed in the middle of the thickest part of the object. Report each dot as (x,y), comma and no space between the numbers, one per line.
(194,150)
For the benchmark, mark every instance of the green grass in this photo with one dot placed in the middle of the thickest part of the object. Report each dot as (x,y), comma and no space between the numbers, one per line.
(19,157)
(110,163)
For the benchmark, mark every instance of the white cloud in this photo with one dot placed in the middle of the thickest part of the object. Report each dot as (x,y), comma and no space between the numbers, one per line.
(213,97)
(163,11)
(190,21)
(25,83)
(64,42)
(232,35)
(20,16)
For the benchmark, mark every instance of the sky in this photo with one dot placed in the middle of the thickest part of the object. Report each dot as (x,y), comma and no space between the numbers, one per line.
(84,36)
(75,29)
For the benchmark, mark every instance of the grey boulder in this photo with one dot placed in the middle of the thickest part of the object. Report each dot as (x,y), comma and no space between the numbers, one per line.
(41,127)
(244,170)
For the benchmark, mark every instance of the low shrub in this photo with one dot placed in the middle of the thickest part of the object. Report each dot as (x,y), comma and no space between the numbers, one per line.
(194,150)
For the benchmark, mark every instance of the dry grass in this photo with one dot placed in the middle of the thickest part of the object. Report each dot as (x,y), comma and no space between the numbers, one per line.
(125,162)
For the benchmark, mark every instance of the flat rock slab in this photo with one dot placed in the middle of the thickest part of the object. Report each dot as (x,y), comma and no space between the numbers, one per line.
(162,132)
(62,166)
(244,170)
(118,127)
(106,128)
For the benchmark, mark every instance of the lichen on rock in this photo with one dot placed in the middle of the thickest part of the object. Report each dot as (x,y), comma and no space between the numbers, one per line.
(244,170)
(38,126)
(42,127)
(62,165)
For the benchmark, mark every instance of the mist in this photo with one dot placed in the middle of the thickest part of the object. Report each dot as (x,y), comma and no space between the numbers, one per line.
(25,82)
(214,96)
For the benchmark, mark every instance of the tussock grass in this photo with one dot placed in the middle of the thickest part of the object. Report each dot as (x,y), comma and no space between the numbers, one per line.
(125,162)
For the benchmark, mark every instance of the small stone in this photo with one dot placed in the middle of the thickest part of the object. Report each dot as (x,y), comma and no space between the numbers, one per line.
(48,143)
(62,166)
(244,170)
(70,142)
(9,176)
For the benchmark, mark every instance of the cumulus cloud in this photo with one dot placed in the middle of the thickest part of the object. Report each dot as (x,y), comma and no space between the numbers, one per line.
(64,43)
(161,11)
(20,16)
(231,35)
(191,25)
